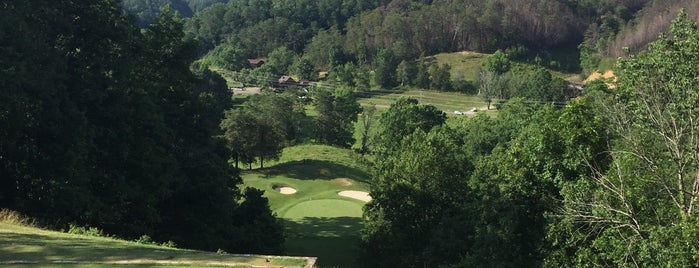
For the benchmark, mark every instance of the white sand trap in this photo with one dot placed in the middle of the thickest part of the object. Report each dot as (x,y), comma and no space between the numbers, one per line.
(359,195)
(285,190)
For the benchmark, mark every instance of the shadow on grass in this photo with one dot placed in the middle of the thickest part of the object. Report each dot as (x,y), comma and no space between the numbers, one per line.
(333,240)
(324,226)
(41,248)
(310,169)
(380,92)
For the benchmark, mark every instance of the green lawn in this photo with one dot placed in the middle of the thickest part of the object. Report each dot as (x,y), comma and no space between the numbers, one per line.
(43,248)
(318,222)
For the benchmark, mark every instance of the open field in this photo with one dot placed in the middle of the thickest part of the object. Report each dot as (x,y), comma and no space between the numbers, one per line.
(445,101)
(32,247)
(464,65)
(318,221)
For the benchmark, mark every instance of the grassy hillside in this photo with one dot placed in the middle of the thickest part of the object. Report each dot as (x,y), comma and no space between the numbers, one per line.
(464,65)
(318,221)
(34,247)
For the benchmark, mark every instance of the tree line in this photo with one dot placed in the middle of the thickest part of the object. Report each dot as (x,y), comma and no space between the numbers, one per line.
(608,180)
(104,124)
(357,30)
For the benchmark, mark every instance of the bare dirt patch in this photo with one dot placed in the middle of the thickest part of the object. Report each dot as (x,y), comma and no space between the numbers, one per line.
(285,190)
(607,76)
(359,195)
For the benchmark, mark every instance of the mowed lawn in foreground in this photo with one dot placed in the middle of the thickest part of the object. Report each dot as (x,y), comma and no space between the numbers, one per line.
(42,248)
(318,222)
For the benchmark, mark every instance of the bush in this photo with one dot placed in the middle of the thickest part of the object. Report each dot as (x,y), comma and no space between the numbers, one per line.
(145,239)
(88,231)
(16,218)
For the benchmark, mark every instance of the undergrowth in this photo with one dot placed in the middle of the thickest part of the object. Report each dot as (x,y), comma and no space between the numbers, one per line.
(16,218)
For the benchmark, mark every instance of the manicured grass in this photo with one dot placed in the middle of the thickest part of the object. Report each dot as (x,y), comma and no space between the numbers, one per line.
(318,222)
(45,248)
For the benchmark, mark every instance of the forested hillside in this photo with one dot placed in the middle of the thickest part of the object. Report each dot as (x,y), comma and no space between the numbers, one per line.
(608,180)
(103,124)
(122,122)
(146,11)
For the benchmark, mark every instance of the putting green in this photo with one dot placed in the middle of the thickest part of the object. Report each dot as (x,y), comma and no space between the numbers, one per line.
(324,208)
(324,219)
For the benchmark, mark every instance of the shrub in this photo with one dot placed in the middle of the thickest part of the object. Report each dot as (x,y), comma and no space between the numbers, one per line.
(16,218)
(145,239)
(88,231)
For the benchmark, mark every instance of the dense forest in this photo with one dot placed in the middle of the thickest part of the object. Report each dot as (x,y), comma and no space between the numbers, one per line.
(111,117)
(104,125)
(608,180)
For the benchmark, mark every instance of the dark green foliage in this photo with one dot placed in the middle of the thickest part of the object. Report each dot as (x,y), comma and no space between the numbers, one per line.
(418,193)
(147,11)
(440,77)
(636,209)
(280,61)
(259,27)
(337,113)
(105,125)
(503,174)
(303,68)
(262,127)
(402,119)
(225,56)
(385,72)
(263,231)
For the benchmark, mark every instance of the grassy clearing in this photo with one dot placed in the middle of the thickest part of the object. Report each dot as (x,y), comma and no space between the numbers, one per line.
(42,248)
(445,101)
(464,65)
(318,222)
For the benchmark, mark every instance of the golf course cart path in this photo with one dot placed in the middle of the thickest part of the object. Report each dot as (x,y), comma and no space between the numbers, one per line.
(359,195)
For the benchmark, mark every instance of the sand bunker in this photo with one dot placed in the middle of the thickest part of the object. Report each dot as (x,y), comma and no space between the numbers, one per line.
(285,190)
(359,195)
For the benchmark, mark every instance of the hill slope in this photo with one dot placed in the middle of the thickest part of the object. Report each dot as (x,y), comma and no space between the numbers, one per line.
(29,245)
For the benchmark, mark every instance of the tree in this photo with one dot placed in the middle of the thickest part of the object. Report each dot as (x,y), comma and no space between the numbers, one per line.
(634,211)
(385,72)
(367,122)
(497,63)
(117,131)
(280,60)
(264,233)
(400,120)
(303,68)
(418,196)
(237,125)
(337,113)
(262,127)
(406,73)
(440,77)
(227,56)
